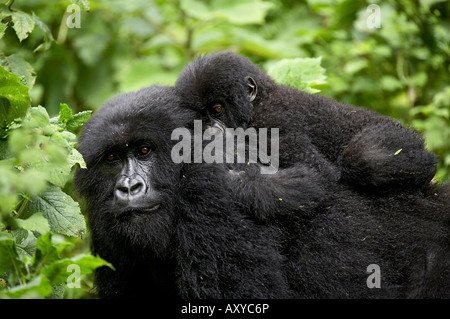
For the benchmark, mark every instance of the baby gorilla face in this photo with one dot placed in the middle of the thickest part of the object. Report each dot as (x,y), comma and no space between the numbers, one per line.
(222,88)
(130,178)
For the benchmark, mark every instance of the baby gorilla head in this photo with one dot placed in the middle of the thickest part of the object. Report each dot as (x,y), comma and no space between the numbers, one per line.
(128,186)
(223,88)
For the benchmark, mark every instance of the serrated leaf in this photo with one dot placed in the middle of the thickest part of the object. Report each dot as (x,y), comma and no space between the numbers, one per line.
(301,73)
(25,242)
(62,212)
(78,120)
(17,65)
(14,99)
(65,113)
(23,24)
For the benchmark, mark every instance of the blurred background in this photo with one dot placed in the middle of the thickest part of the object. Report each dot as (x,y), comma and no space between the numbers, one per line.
(400,69)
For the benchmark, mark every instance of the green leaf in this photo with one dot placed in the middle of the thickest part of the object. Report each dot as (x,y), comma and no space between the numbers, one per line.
(3,27)
(58,271)
(75,157)
(396,153)
(65,113)
(23,24)
(62,212)
(390,83)
(25,242)
(17,65)
(14,99)
(9,259)
(241,11)
(238,12)
(48,37)
(78,120)
(36,222)
(84,4)
(39,117)
(39,286)
(301,73)
(46,253)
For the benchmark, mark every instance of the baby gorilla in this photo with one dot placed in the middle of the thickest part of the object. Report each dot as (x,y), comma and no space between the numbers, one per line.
(356,146)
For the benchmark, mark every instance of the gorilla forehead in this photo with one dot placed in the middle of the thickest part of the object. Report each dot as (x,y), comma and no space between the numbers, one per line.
(151,114)
(221,77)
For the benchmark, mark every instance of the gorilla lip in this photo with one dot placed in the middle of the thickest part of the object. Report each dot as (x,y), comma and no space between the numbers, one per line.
(139,211)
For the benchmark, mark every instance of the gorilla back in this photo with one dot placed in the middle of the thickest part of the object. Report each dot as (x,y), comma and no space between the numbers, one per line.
(357,146)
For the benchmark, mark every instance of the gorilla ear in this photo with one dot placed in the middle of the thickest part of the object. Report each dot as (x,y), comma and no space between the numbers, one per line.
(252,88)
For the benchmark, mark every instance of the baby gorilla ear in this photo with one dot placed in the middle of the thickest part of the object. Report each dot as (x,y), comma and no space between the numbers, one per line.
(252,88)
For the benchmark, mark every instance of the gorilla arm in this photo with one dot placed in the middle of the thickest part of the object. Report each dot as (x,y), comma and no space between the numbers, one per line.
(297,189)
(370,149)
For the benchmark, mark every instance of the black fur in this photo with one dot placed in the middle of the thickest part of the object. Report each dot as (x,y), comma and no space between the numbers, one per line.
(315,240)
(356,146)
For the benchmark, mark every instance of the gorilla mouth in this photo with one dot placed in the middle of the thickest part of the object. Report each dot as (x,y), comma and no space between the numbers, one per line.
(139,211)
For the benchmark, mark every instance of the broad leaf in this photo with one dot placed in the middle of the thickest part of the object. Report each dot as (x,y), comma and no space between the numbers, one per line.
(14,99)
(62,212)
(23,24)
(301,73)
(17,65)
(36,222)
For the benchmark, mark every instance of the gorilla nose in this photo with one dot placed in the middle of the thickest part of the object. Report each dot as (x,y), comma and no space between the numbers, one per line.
(129,190)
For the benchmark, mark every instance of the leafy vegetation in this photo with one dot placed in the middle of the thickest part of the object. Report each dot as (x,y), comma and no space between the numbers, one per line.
(53,74)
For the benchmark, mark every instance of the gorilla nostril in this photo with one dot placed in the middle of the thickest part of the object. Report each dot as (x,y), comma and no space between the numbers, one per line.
(136,188)
(122,189)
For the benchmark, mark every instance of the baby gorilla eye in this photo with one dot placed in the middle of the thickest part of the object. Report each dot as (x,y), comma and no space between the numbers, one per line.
(216,110)
(110,158)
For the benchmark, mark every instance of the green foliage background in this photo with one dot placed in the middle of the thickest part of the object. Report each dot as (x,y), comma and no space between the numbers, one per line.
(400,69)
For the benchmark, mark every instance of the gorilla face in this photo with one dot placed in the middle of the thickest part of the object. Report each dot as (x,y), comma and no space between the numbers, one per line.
(130,178)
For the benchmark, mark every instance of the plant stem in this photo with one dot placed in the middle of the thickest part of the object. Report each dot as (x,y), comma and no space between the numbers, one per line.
(9,4)
(22,208)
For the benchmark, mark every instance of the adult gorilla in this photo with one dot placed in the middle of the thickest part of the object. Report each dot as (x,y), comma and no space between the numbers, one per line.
(181,230)
(169,229)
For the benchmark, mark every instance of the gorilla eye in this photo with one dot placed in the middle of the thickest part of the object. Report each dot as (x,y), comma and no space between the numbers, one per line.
(216,110)
(144,150)
(111,158)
